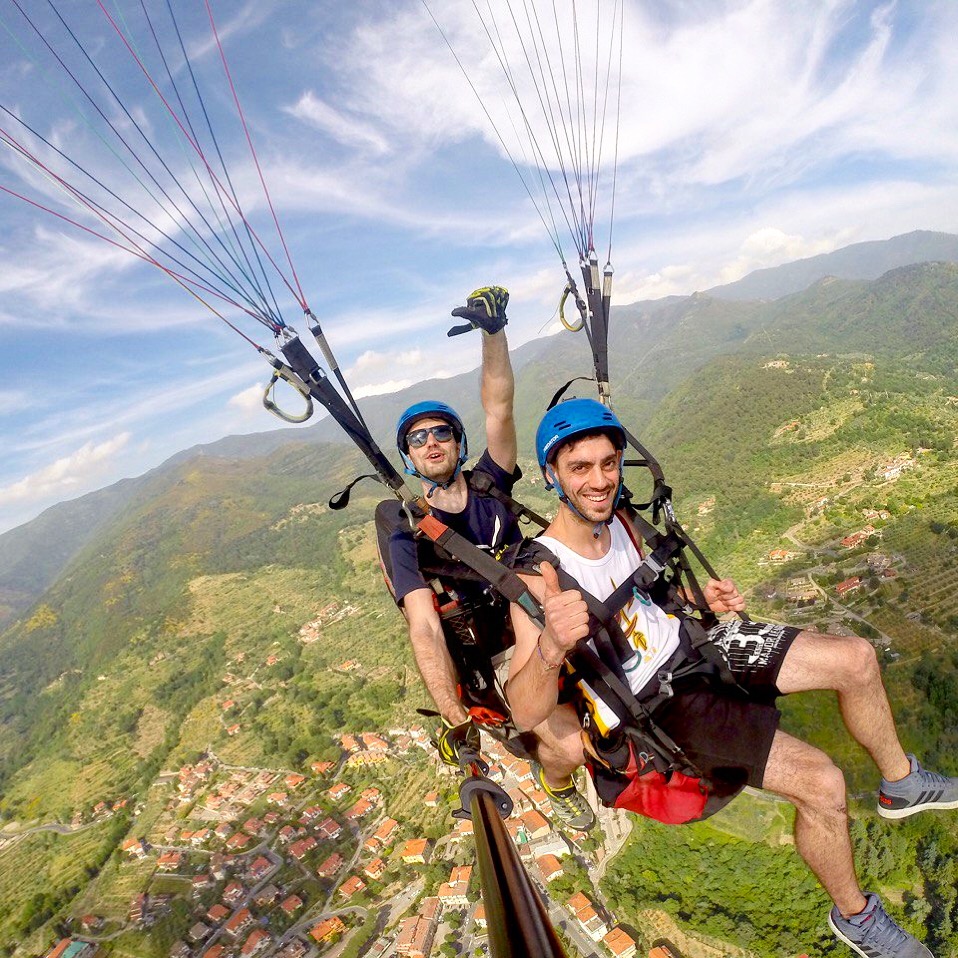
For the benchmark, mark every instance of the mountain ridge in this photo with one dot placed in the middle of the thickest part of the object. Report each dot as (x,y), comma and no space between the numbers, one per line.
(32,555)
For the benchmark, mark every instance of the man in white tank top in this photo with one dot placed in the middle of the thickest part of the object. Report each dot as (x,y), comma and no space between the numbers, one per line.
(580,448)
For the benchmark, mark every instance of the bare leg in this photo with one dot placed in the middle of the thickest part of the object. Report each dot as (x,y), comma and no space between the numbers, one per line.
(848,665)
(816,787)
(560,746)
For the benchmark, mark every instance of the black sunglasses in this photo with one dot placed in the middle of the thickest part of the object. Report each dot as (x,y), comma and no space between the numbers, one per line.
(419,437)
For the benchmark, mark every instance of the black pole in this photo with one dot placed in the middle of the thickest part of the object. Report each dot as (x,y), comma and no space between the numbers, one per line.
(519,925)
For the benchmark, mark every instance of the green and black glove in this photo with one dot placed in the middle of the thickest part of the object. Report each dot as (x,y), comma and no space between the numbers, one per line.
(485,309)
(451,738)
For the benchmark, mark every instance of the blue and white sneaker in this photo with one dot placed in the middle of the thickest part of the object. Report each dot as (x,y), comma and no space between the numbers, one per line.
(917,791)
(873,933)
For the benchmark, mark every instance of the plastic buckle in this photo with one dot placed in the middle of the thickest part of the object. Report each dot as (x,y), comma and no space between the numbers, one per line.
(477,783)
(665,684)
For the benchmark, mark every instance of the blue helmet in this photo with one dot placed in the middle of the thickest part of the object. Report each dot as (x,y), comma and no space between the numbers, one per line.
(575,417)
(436,410)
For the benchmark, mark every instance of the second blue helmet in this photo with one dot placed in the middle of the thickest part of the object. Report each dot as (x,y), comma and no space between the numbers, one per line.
(575,417)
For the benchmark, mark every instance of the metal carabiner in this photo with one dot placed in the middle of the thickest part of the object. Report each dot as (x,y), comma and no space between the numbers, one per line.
(288,376)
(570,288)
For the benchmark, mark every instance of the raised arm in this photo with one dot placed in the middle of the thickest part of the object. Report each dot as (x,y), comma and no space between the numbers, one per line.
(432,656)
(497,390)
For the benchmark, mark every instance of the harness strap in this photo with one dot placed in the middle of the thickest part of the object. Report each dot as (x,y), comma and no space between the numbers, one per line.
(498,575)
(482,483)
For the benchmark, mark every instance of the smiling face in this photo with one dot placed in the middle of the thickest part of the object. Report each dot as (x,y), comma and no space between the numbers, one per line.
(588,471)
(435,460)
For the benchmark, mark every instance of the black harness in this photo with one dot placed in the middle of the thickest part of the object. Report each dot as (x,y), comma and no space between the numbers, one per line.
(659,577)
(475,620)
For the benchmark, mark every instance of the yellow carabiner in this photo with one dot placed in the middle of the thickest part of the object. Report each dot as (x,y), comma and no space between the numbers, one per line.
(569,288)
(288,377)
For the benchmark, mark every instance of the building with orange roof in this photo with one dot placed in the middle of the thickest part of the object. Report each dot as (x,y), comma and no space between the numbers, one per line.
(386,831)
(237,842)
(217,913)
(579,901)
(452,896)
(260,868)
(550,867)
(849,585)
(68,948)
(233,892)
(536,824)
(169,861)
(357,810)
(464,829)
(258,939)
(329,867)
(136,847)
(300,849)
(415,937)
(352,886)
(239,922)
(292,904)
(414,851)
(329,829)
(327,929)
(619,943)
(376,868)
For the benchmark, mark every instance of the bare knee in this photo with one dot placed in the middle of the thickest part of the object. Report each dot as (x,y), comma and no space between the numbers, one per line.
(806,776)
(859,664)
(560,740)
(821,787)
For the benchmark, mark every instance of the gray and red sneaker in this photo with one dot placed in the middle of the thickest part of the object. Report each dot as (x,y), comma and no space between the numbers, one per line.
(873,933)
(917,791)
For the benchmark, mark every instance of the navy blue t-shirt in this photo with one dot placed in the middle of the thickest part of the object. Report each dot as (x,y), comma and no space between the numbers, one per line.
(485,522)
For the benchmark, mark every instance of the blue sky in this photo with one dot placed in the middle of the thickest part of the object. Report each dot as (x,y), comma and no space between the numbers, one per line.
(751,134)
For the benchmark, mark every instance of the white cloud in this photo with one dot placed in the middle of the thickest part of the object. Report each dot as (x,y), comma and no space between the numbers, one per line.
(732,91)
(347,130)
(371,366)
(67,475)
(249,400)
(385,387)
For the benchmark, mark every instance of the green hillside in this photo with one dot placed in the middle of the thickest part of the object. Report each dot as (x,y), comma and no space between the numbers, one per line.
(779,426)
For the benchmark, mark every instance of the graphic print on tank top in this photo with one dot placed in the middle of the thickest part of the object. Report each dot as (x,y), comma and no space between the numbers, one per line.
(652,633)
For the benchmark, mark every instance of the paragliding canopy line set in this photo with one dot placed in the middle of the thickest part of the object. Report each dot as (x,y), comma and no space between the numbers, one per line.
(558,64)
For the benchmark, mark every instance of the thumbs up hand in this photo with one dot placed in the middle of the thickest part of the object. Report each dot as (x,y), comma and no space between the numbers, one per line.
(566,615)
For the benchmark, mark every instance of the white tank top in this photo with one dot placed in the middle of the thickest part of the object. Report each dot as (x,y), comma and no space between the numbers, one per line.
(652,633)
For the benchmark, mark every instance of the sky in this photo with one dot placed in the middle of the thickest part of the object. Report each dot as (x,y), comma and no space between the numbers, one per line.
(742,135)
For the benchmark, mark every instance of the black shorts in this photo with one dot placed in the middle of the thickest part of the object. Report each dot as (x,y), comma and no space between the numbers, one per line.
(754,652)
(723,733)
(721,728)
